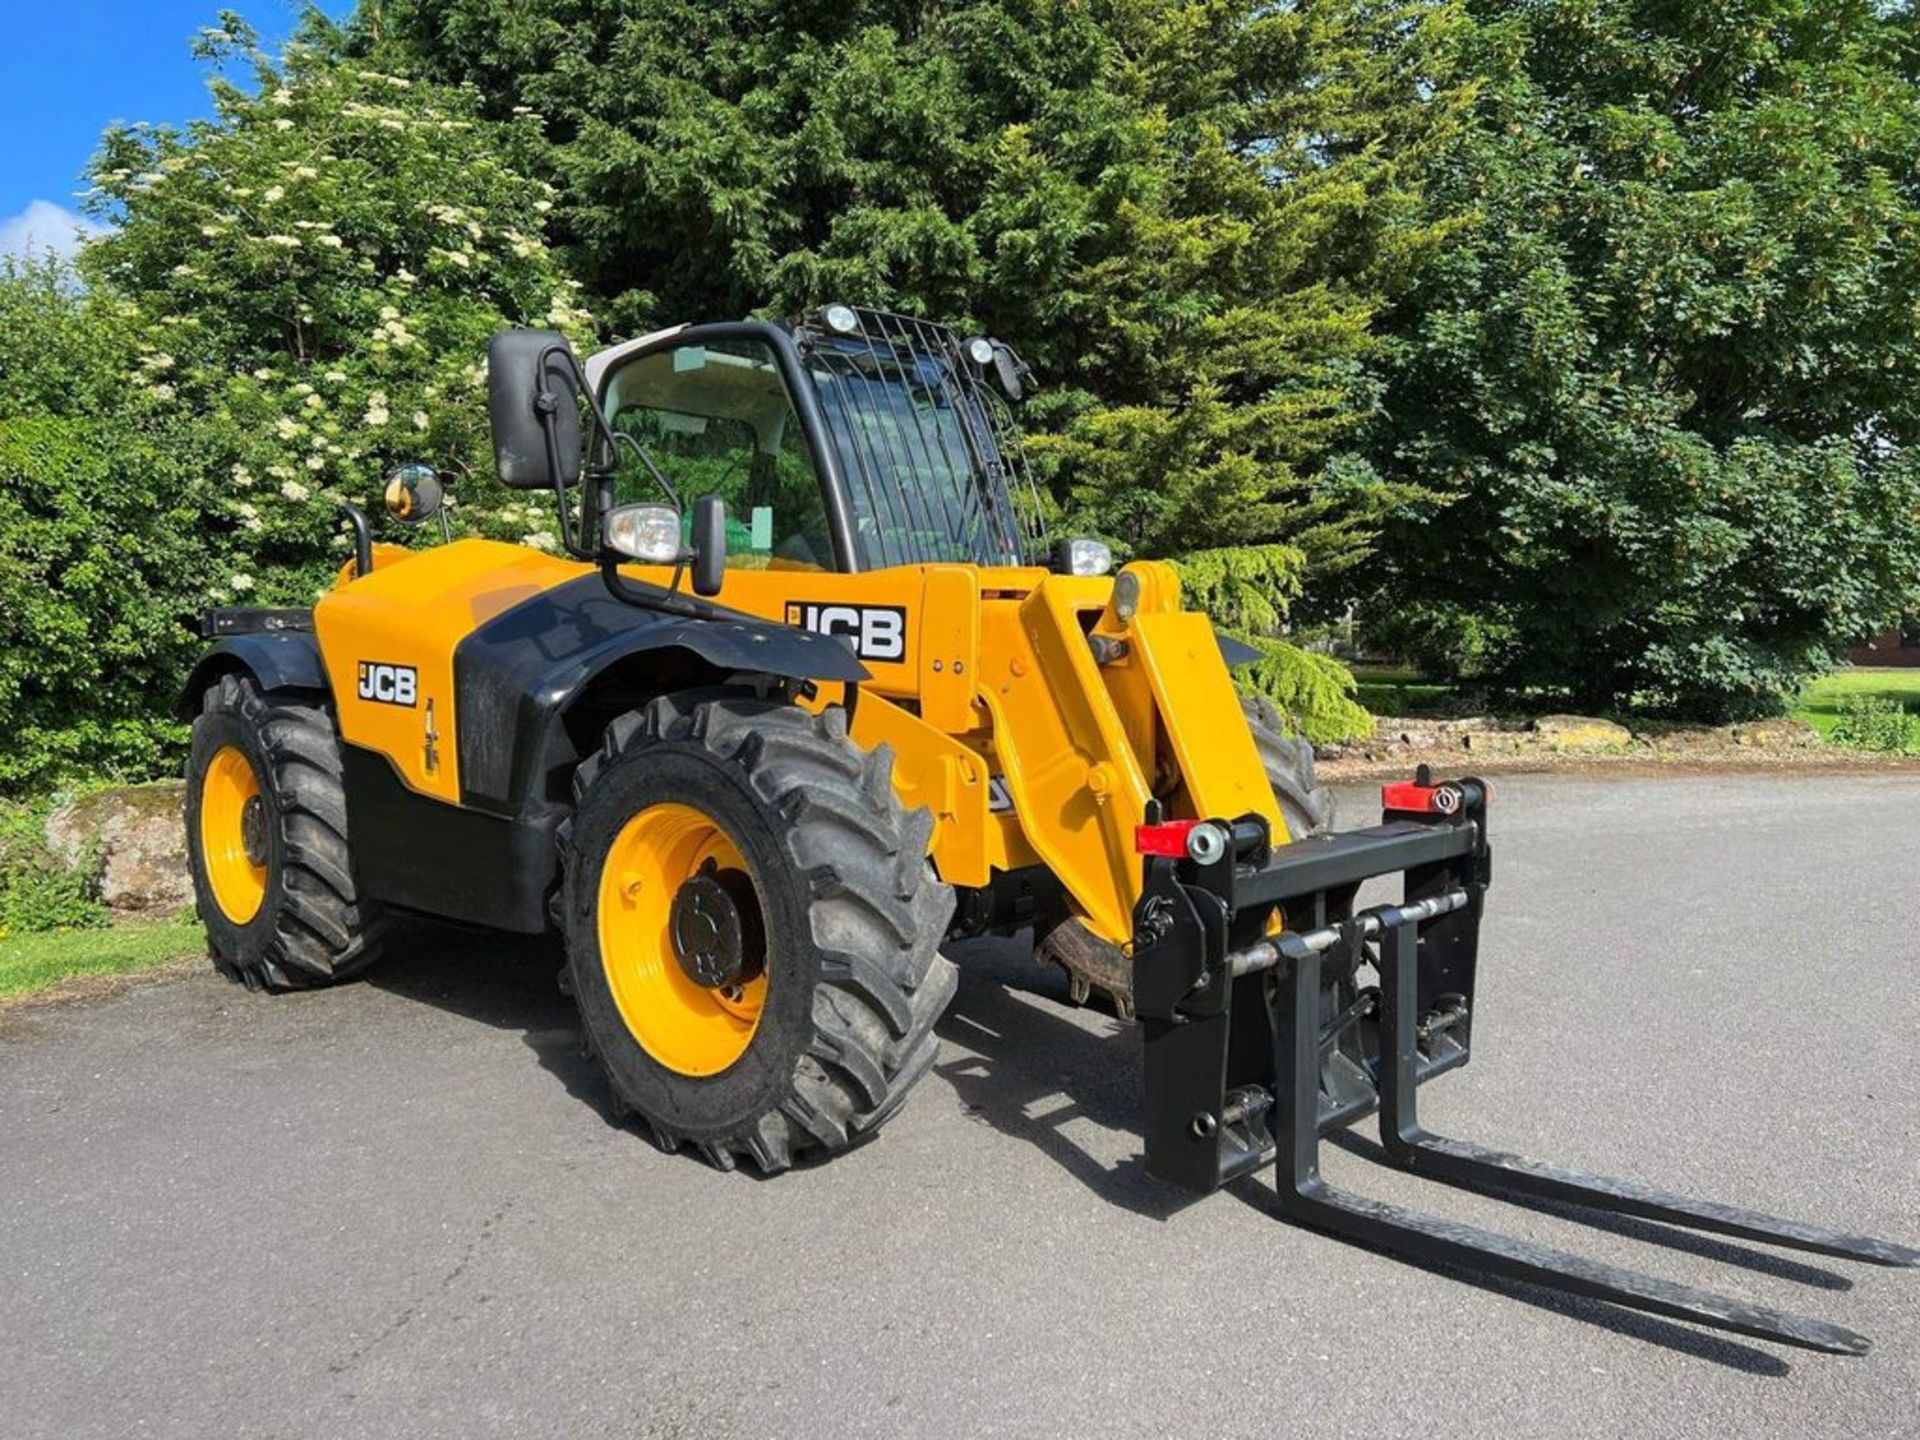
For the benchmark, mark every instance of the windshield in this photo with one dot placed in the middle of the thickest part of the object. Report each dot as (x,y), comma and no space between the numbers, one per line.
(714,417)
(930,455)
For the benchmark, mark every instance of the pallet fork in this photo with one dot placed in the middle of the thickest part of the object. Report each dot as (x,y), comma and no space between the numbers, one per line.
(1259,1043)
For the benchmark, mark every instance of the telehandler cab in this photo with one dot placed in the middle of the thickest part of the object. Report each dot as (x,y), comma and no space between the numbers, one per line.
(758,758)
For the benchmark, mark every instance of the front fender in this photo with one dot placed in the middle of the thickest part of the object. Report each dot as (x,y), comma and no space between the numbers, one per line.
(517,676)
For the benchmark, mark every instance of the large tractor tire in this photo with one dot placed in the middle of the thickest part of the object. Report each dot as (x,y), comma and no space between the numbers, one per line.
(753,928)
(266,820)
(1095,967)
(1305,804)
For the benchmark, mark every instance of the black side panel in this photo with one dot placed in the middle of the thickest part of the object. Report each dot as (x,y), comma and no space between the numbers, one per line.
(289,660)
(515,676)
(424,854)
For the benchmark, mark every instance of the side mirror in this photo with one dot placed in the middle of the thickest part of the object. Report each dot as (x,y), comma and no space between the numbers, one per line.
(533,402)
(709,544)
(414,493)
(1006,369)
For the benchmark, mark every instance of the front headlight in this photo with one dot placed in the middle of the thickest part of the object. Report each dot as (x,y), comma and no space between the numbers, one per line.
(1083,557)
(645,532)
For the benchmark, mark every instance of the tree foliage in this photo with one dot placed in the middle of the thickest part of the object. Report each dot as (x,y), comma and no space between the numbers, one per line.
(312,275)
(1604,308)
(295,294)
(1666,376)
(1185,215)
(100,559)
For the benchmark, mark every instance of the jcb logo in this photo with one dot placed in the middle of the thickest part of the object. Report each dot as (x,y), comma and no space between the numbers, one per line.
(878,632)
(388,684)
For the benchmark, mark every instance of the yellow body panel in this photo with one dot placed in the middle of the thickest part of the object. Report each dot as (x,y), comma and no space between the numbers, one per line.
(949,649)
(943,756)
(1220,769)
(1026,749)
(409,614)
(952,776)
(1074,777)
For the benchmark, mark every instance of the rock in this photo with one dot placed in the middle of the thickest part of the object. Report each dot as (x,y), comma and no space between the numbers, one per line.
(1581,732)
(1781,733)
(141,842)
(1500,742)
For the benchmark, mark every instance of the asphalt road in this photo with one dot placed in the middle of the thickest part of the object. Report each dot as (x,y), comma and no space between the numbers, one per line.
(400,1208)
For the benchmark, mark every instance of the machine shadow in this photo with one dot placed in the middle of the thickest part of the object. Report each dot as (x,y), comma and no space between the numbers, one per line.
(1019,1068)
(1694,1242)
(505,981)
(1028,1071)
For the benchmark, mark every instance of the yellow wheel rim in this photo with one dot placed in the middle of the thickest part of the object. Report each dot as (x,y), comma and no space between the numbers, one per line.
(233,834)
(689,1027)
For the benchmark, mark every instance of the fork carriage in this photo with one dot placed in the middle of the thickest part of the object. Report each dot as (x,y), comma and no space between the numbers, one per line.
(1260,1041)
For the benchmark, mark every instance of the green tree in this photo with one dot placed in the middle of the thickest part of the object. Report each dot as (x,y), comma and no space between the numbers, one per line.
(1184,214)
(1666,376)
(313,274)
(295,294)
(99,562)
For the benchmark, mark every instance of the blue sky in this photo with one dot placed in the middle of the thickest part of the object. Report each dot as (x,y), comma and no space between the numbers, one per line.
(72,67)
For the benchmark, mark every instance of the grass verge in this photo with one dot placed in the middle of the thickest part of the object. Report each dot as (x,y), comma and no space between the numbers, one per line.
(1822,703)
(36,962)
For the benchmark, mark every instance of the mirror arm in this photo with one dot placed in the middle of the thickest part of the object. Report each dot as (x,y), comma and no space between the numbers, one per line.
(547,407)
(640,454)
(653,597)
(597,497)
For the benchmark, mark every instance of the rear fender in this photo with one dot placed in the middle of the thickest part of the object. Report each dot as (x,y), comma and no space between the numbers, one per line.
(284,661)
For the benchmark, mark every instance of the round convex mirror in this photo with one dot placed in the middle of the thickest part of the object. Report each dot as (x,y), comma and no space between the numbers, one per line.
(414,493)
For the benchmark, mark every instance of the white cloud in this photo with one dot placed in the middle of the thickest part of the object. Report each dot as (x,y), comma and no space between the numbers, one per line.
(45,226)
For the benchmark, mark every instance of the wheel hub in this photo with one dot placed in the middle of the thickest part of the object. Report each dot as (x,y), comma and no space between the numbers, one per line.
(253,829)
(715,928)
(233,835)
(683,939)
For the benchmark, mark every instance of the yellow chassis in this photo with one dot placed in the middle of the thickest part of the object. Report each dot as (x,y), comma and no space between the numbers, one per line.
(1026,749)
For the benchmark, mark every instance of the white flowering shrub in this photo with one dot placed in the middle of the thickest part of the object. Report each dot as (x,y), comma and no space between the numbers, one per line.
(102,559)
(310,277)
(295,295)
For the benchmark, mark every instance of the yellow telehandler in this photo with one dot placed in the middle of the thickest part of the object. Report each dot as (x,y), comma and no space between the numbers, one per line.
(758,756)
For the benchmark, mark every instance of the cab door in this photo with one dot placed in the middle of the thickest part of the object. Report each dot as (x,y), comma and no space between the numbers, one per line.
(713,408)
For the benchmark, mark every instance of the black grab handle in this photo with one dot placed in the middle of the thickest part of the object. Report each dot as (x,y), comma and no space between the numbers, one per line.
(362,539)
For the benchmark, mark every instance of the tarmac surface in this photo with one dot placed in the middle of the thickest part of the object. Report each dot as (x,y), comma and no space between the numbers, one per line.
(400,1208)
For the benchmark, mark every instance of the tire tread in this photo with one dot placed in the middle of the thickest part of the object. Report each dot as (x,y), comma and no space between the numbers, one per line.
(877,911)
(325,930)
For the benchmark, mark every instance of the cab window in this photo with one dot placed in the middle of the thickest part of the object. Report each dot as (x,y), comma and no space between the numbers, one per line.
(716,419)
